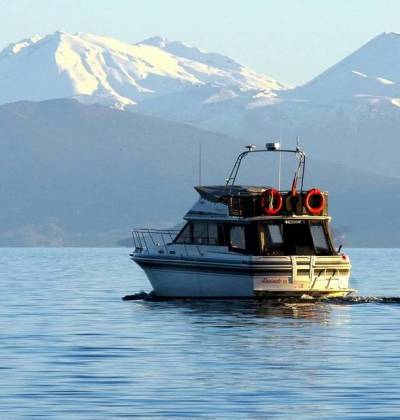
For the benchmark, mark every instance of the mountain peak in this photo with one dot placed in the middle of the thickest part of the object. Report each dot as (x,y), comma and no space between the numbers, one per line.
(155,41)
(371,73)
(59,36)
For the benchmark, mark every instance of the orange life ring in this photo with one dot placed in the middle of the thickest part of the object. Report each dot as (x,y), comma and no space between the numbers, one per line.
(314,201)
(271,201)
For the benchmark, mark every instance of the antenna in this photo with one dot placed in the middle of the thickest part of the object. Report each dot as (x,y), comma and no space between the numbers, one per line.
(279,170)
(200,153)
(280,155)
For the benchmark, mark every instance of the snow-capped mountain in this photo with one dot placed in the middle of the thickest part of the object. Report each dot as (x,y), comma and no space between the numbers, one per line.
(349,114)
(371,73)
(96,69)
(365,84)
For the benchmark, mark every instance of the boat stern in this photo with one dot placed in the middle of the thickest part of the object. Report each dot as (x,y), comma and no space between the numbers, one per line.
(310,276)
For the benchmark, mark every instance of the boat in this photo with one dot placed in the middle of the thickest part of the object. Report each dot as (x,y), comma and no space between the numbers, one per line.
(248,242)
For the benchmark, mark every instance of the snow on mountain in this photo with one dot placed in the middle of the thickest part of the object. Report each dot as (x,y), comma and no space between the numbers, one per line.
(96,69)
(18,46)
(343,114)
(371,73)
(220,68)
(349,114)
(364,85)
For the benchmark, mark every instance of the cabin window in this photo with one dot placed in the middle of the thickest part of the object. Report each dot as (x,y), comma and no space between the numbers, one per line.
(271,239)
(213,234)
(319,238)
(185,236)
(237,237)
(200,233)
(275,234)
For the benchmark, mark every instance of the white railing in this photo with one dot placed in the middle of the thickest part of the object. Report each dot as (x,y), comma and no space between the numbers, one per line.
(145,239)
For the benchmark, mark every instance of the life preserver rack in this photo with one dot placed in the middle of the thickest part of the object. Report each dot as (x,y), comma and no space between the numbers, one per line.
(272,202)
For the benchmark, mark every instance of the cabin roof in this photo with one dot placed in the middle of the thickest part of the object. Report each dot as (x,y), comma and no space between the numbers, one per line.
(215,193)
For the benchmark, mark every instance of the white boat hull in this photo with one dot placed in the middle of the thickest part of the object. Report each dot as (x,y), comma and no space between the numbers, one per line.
(199,284)
(188,280)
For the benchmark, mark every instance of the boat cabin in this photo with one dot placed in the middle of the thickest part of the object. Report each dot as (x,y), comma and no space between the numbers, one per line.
(262,237)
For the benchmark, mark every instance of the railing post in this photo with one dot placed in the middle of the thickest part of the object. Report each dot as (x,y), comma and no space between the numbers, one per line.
(139,239)
(165,246)
(145,242)
(151,237)
(184,244)
(198,250)
(170,236)
(133,238)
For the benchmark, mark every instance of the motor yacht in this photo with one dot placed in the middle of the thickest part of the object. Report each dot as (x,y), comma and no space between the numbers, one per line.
(241,241)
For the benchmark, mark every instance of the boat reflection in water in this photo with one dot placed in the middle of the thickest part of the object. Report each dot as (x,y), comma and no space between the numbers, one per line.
(237,313)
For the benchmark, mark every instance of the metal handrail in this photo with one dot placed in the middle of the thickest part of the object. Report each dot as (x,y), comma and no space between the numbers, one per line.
(301,156)
(159,238)
(154,230)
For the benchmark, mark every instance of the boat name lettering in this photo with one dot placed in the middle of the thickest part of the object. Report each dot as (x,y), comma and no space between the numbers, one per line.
(275,280)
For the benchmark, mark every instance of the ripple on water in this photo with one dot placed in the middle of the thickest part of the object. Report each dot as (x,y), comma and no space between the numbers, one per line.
(70,348)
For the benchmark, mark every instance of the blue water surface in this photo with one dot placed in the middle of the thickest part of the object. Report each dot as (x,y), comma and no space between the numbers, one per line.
(71,348)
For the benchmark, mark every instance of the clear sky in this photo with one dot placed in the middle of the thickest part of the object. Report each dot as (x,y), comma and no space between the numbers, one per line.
(290,40)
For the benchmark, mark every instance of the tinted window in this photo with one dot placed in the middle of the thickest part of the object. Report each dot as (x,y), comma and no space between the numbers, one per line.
(185,235)
(201,233)
(213,234)
(271,238)
(237,237)
(319,238)
(275,234)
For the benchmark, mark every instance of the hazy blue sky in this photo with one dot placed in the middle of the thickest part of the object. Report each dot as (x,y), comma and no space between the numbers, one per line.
(290,40)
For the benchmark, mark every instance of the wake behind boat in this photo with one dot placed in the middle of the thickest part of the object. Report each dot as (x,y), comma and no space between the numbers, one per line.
(246,242)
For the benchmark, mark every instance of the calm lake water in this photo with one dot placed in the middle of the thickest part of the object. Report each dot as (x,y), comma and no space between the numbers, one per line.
(71,348)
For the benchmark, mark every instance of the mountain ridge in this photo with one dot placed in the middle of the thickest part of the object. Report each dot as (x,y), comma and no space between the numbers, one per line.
(105,70)
(349,114)
(84,175)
